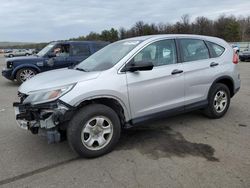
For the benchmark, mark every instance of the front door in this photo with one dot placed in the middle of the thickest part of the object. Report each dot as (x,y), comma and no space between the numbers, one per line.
(161,88)
(61,57)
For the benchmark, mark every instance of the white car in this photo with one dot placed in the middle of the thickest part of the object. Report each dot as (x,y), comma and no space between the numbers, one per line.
(19,52)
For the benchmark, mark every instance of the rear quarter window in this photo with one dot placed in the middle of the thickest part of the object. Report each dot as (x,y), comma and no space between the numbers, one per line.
(215,49)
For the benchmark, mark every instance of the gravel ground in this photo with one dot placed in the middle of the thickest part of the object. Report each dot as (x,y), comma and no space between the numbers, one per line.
(188,150)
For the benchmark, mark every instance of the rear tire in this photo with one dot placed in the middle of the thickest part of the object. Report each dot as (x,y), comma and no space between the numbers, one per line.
(94,130)
(24,74)
(218,101)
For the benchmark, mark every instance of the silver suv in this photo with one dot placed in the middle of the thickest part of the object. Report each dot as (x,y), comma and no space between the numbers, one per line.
(126,83)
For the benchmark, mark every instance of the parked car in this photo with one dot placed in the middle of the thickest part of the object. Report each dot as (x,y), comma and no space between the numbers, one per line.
(54,56)
(127,83)
(7,50)
(244,56)
(18,52)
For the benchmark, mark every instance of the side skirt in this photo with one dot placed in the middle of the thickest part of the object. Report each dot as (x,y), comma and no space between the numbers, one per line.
(164,114)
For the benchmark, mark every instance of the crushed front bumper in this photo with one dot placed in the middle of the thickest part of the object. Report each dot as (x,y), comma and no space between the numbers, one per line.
(48,116)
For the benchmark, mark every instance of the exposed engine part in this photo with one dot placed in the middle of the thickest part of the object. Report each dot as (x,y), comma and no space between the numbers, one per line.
(47,123)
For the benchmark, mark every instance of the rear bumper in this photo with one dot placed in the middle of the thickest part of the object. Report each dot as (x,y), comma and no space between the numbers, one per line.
(7,73)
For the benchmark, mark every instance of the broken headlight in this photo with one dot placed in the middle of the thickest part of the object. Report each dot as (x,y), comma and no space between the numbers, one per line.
(47,95)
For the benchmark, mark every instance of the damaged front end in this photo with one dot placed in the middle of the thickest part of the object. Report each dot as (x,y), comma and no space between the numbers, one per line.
(49,117)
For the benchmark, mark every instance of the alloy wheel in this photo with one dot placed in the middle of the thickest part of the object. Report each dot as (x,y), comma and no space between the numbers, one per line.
(26,74)
(220,101)
(97,133)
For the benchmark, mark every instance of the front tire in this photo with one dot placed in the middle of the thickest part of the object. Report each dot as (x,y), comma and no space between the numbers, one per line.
(218,101)
(94,130)
(25,74)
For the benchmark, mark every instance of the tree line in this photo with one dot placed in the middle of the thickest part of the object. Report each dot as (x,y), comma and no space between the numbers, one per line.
(229,28)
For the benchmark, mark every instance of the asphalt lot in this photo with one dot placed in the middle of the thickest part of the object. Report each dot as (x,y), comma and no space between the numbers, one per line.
(183,151)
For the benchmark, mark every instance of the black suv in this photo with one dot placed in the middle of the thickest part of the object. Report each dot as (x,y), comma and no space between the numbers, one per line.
(54,56)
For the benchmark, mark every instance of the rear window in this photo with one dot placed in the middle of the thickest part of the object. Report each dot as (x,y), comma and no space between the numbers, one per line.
(80,50)
(193,49)
(215,49)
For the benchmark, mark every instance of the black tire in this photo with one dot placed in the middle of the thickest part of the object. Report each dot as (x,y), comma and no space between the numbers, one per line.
(77,124)
(11,55)
(19,77)
(27,54)
(210,111)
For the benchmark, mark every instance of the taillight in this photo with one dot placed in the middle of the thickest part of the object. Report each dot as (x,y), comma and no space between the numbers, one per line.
(235,58)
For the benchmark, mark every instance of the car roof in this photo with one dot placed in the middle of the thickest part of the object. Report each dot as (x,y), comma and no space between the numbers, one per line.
(80,42)
(162,36)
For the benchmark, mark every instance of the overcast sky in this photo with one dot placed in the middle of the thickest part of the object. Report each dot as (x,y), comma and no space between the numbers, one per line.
(47,20)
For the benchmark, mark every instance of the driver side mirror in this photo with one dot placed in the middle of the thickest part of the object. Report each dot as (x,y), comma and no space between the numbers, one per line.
(139,66)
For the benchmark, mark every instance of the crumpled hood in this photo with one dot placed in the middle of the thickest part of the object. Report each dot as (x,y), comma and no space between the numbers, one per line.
(56,78)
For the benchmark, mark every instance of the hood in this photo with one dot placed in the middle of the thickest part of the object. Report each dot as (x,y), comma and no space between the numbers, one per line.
(56,78)
(25,58)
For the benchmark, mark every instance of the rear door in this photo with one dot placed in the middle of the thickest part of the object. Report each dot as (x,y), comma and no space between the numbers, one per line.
(161,88)
(199,69)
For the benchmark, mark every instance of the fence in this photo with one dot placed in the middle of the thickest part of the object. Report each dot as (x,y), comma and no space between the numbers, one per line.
(244,46)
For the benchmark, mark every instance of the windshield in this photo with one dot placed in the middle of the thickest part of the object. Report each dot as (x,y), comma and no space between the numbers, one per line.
(45,50)
(108,56)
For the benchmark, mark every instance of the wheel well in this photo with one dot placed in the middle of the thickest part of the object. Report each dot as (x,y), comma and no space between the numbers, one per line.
(35,69)
(112,103)
(229,83)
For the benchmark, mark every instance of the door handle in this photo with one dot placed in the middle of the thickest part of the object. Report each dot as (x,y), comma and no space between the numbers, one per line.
(177,71)
(213,64)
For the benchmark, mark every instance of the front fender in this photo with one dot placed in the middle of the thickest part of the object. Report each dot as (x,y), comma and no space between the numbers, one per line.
(24,66)
(80,99)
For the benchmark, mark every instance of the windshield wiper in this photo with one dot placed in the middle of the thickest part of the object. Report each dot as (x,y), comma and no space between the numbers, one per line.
(80,69)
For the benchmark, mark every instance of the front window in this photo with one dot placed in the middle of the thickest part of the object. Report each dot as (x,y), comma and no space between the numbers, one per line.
(159,53)
(61,50)
(108,56)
